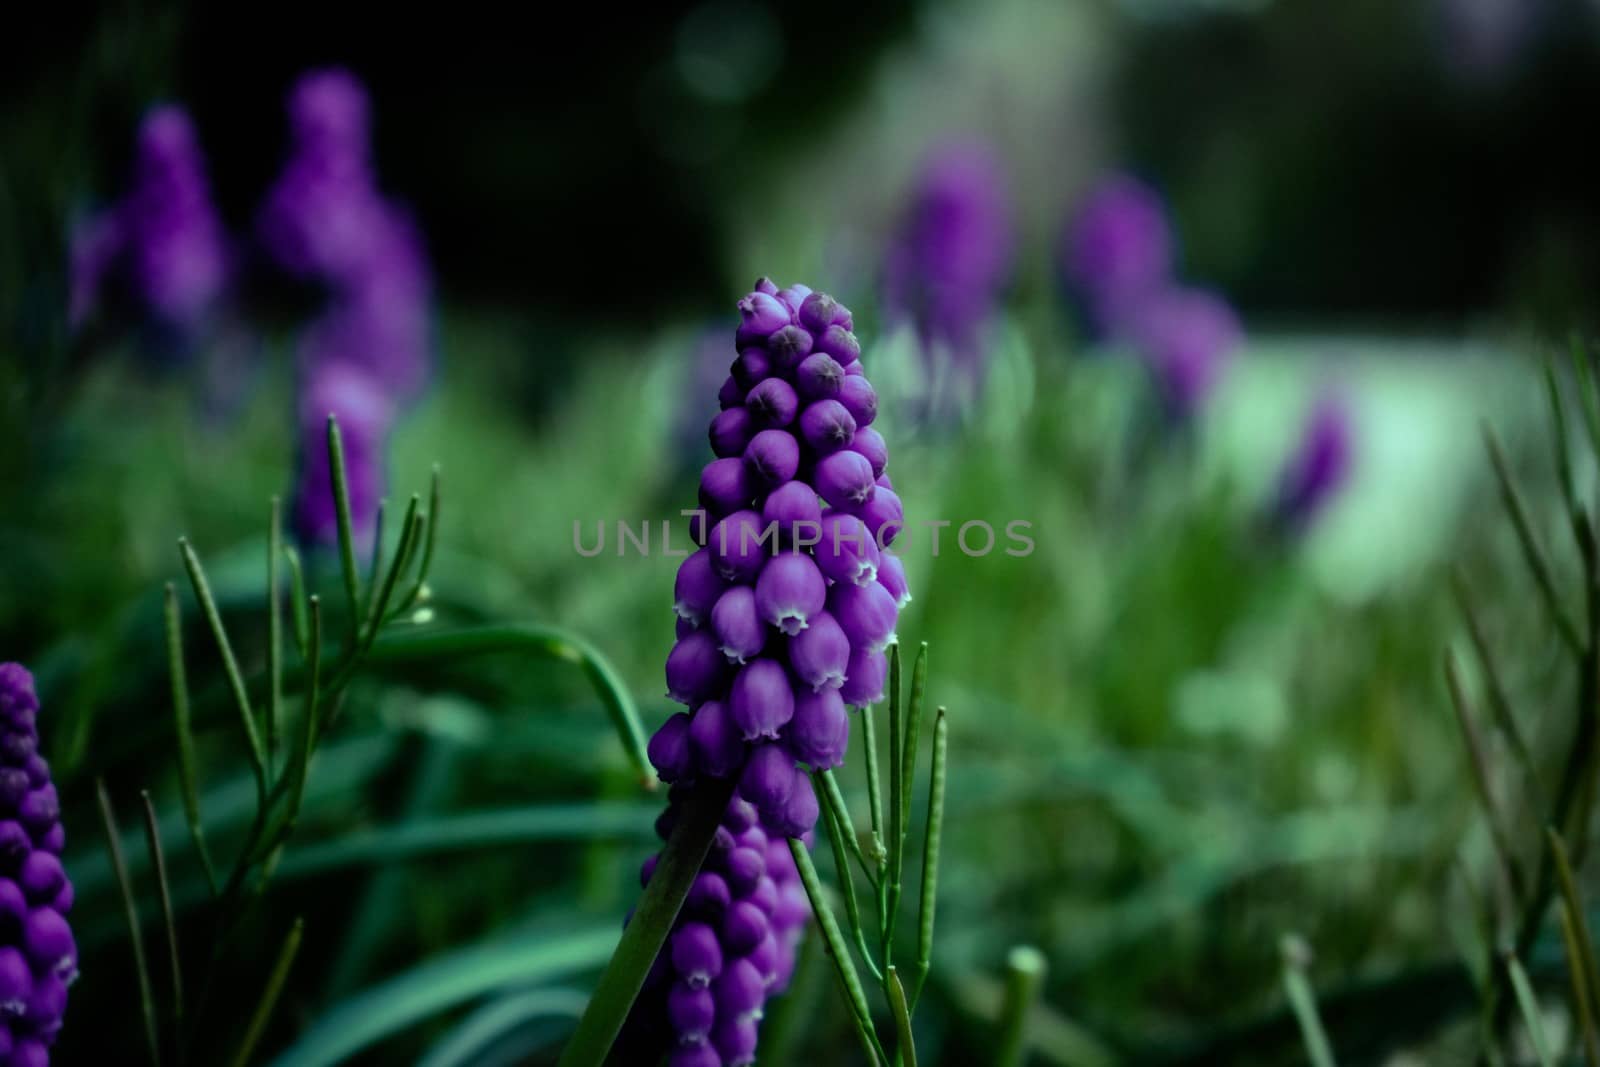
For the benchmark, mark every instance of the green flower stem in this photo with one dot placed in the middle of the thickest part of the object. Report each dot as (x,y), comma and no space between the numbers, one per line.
(158,863)
(906,1050)
(297,602)
(147,1002)
(1481,778)
(341,504)
(895,838)
(913,725)
(1532,552)
(187,776)
(1573,910)
(431,531)
(241,698)
(849,980)
(409,532)
(1582,1003)
(269,995)
(1304,1003)
(1499,701)
(1025,968)
(652,920)
(874,791)
(930,854)
(274,634)
(1588,401)
(836,834)
(1532,1019)
(833,798)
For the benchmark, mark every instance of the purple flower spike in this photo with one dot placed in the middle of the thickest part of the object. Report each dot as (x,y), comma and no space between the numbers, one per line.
(769,777)
(1118,249)
(857,394)
(820,728)
(697,587)
(866,613)
(793,506)
(739,545)
(761,701)
(696,954)
(773,457)
(1186,336)
(845,480)
(1319,467)
(736,621)
(819,377)
(827,426)
(865,678)
(715,740)
(846,550)
(773,402)
(820,654)
(692,1011)
(731,431)
(790,591)
(725,486)
(695,668)
(669,748)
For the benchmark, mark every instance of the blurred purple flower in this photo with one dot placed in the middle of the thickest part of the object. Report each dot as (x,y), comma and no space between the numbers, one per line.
(954,252)
(1186,337)
(1320,465)
(1118,248)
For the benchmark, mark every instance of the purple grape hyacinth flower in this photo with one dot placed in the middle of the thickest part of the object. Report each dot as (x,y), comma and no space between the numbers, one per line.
(1319,467)
(1186,337)
(38,956)
(1118,248)
(762,662)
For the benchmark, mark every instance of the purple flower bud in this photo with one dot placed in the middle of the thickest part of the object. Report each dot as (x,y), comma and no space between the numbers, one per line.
(751,368)
(854,370)
(766,955)
(794,508)
(773,402)
(669,748)
(735,1041)
(41,877)
(768,778)
(731,395)
(13,906)
(697,587)
(869,443)
(16,982)
(715,741)
(819,377)
(63,901)
(827,426)
(725,486)
(1319,466)
(864,678)
(695,1055)
(892,575)
(798,814)
(666,822)
(846,550)
(820,654)
(744,926)
(788,347)
(765,894)
(819,311)
(844,479)
(38,770)
(740,816)
(696,954)
(1186,337)
(866,614)
(794,907)
(40,809)
(708,896)
(47,940)
(744,868)
(761,700)
(766,285)
(820,729)
(15,844)
(884,516)
(773,457)
(741,989)
(14,785)
(731,431)
(839,343)
(794,296)
(691,1010)
(736,621)
(739,543)
(18,747)
(857,394)
(760,313)
(790,591)
(695,668)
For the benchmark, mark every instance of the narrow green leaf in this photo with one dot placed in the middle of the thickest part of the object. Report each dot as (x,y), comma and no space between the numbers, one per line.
(1568,883)
(906,1051)
(1296,958)
(297,602)
(1558,442)
(658,908)
(158,863)
(402,555)
(447,980)
(147,1002)
(341,504)
(375,560)
(1025,967)
(1479,763)
(187,776)
(416,645)
(1532,553)
(419,588)
(1528,1004)
(274,635)
(847,889)
(933,832)
(1499,700)
(269,995)
(467,1044)
(300,767)
(833,799)
(849,980)
(919,683)
(208,605)
(1588,400)
(1582,999)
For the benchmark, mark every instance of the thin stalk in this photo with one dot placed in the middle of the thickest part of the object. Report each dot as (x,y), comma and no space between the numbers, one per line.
(1499,700)
(1532,553)
(1581,993)
(1529,1005)
(906,1045)
(241,698)
(641,942)
(833,798)
(849,980)
(1304,1002)
(913,725)
(158,862)
(836,835)
(269,995)
(1573,904)
(274,635)
(182,727)
(895,839)
(1025,967)
(147,1002)
(419,587)
(402,556)
(297,601)
(933,833)
(1481,778)
(341,504)
(1558,442)
(375,561)
(874,791)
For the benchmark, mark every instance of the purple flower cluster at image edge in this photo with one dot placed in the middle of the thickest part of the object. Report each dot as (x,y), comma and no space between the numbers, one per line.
(326,221)
(164,241)
(1320,465)
(1118,261)
(38,957)
(784,615)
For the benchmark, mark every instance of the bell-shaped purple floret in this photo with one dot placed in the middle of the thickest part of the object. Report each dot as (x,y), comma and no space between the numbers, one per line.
(669,748)
(866,613)
(790,591)
(798,813)
(819,377)
(820,654)
(709,896)
(16,981)
(761,701)
(845,550)
(892,575)
(735,1041)
(794,508)
(768,778)
(696,954)
(844,480)
(773,402)
(695,668)
(725,486)
(857,394)
(827,426)
(736,621)
(743,927)
(773,457)
(739,545)
(883,515)
(820,728)
(700,1054)
(691,1010)
(714,740)
(744,866)
(731,431)
(864,678)
(47,940)
(741,989)
(697,587)
(869,443)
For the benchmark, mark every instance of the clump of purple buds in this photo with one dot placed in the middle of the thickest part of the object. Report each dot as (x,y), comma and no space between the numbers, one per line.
(326,221)
(1319,467)
(783,623)
(164,240)
(38,957)
(1117,250)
